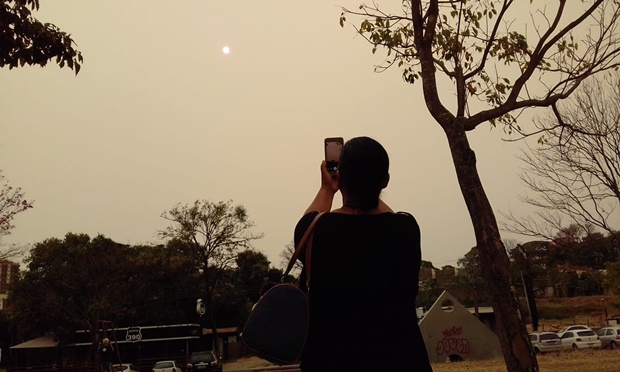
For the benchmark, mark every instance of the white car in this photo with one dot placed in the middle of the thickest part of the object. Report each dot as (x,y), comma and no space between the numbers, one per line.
(609,336)
(579,339)
(124,368)
(166,366)
(576,327)
(544,342)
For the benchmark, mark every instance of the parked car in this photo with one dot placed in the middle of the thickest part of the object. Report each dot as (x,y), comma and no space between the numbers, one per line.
(579,339)
(576,327)
(609,336)
(204,361)
(166,366)
(544,342)
(124,368)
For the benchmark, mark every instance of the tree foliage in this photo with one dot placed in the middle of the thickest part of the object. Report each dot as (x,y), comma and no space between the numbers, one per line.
(574,173)
(612,277)
(471,268)
(26,40)
(499,63)
(212,235)
(12,202)
(253,270)
(551,264)
(481,45)
(71,283)
(427,265)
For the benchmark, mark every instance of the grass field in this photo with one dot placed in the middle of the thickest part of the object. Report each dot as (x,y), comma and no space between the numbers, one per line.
(568,361)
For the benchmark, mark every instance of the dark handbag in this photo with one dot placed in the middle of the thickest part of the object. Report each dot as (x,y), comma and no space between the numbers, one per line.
(278,323)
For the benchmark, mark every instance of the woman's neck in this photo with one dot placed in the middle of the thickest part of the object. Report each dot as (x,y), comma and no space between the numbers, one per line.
(351,209)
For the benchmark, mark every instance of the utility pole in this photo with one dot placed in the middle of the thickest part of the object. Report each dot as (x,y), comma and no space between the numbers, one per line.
(528,286)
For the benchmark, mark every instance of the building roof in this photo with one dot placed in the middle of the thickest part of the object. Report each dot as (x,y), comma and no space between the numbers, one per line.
(481,310)
(220,331)
(37,343)
(576,269)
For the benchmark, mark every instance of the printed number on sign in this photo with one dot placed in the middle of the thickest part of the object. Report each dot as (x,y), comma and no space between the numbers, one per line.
(133,335)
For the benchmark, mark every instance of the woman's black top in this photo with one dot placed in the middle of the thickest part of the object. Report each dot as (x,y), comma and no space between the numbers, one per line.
(363,286)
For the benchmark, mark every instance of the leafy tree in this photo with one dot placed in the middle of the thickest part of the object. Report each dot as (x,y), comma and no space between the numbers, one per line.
(574,173)
(167,282)
(429,291)
(590,284)
(12,202)
(498,66)
(252,272)
(213,235)
(612,278)
(533,259)
(71,283)
(471,277)
(574,246)
(26,40)
(230,302)
(471,265)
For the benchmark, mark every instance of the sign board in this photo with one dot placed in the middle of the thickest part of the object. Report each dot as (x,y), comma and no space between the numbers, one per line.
(133,334)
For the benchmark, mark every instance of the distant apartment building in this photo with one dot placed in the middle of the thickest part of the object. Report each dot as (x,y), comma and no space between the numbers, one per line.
(8,273)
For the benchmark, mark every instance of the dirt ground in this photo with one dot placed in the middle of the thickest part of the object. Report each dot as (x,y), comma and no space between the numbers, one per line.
(568,361)
(245,363)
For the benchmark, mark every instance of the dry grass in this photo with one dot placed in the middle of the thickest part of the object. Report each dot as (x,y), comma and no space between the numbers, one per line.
(246,363)
(568,361)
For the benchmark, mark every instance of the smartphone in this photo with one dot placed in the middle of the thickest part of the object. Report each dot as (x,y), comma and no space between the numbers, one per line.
(333,148)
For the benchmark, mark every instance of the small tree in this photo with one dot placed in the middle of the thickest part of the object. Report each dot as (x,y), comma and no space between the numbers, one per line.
(26,40)
(498,66)
(12,202)
(574,173)
(214,234)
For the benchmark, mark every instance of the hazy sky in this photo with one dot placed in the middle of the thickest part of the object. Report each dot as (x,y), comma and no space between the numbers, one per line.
(159,115)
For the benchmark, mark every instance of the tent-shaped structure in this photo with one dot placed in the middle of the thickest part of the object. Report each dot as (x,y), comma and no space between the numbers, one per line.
(450,331)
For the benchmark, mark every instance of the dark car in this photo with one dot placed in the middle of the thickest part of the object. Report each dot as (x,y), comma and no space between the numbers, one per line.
(204,361)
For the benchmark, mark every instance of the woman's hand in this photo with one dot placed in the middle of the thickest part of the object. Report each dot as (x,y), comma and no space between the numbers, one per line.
(329,187)
(329,181)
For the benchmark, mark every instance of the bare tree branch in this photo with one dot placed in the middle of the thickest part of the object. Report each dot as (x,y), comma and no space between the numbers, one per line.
(575,170)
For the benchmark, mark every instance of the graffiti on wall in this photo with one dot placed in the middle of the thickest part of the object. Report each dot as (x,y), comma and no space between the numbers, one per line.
(452,342)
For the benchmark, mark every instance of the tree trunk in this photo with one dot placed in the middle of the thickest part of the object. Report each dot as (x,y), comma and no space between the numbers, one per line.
(210,312)
(211,320)
(518,353)
(476,309)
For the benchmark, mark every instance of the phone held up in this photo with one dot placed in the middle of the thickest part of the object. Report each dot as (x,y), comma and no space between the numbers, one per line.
(333,148)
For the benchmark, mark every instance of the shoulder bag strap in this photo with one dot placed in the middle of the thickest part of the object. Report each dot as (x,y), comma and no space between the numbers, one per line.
(306,241)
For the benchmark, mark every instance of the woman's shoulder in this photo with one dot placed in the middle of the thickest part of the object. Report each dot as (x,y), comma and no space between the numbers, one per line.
(303,224)
(406,216)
